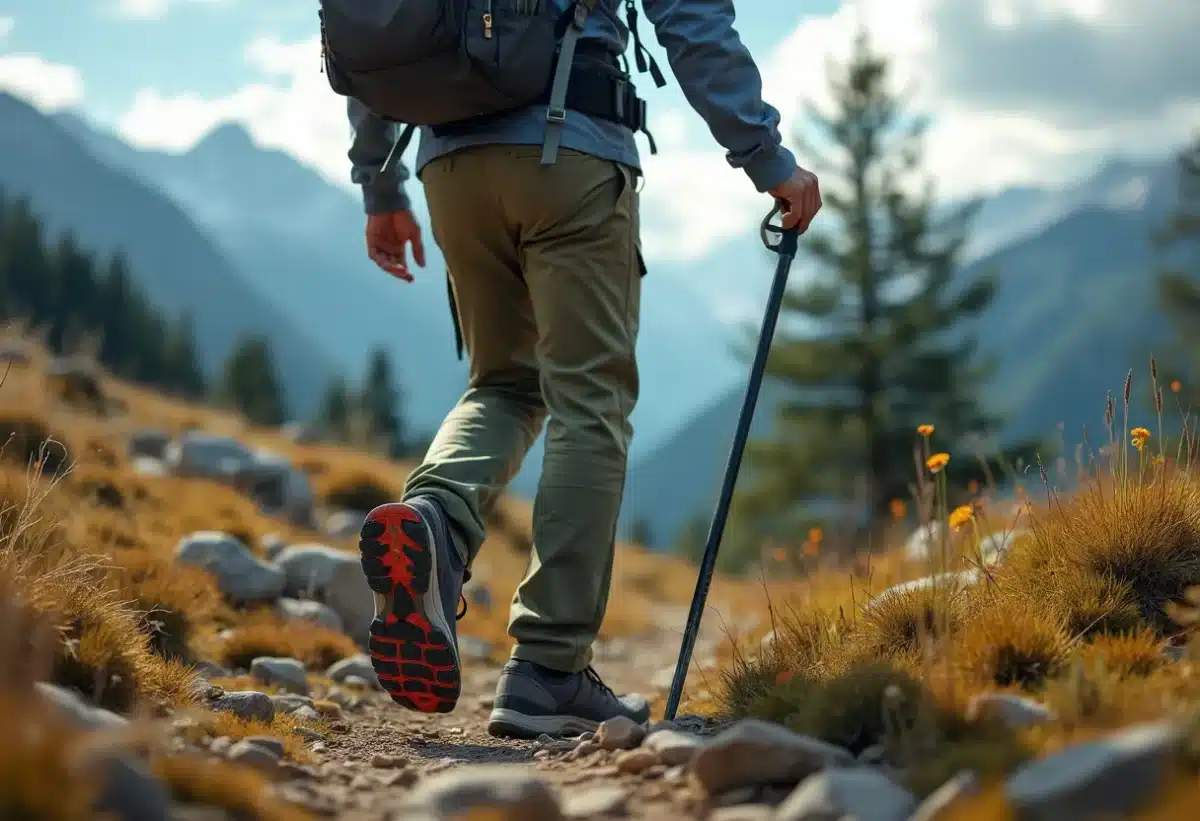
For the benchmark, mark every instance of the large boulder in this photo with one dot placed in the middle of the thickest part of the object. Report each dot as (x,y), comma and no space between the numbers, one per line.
(203,455)
(334,577)
(278,487)
(239,574)
(149,443)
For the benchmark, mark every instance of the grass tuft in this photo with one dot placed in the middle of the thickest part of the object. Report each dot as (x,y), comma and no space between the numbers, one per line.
(265,634)
(357,491)
(1007,643)
(240,791)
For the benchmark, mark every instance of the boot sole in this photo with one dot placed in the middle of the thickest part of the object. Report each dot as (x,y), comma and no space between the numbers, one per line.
(505,723)
(410,642)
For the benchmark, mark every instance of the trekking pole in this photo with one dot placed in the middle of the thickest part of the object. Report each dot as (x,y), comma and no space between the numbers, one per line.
(785,248)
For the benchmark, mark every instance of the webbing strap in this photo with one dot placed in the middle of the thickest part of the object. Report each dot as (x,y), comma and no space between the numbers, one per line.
(556,111)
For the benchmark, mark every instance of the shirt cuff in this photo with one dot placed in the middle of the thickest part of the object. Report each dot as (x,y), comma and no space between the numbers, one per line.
(383,199)
(766,167)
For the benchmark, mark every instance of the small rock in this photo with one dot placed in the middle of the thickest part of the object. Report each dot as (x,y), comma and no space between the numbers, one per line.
(130,793)
(290,702)
(306,713)
(307,733)
(361,783)
(963,785)
(486,702)
(283,672)
(620,733)
(504,792)
(757,752)
(150,443)
(633,762)
(355,666)
(384,761)
(78,711)
(1110,777)
(318,746)
(357,681)
(399,778)
(273,544)
(340,697)
(333,576)
(310,611)
(244,752)
(1011,710)
(582,750)
(268,743)
(248,704)
(598,801)
(240,576)
(873,755)
(220,745)
(344,524)
(858,793)
(673,747)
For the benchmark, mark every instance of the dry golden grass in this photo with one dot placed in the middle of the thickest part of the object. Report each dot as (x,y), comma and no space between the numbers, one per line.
(263,633)
(216,725)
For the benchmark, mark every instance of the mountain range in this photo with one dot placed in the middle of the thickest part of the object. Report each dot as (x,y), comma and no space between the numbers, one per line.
(247,239)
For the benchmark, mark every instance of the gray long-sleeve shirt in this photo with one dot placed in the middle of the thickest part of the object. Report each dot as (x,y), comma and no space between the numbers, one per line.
(715,70)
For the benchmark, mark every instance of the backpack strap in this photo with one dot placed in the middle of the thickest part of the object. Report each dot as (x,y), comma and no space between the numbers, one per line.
(556,111)
(398,148)
(642,57)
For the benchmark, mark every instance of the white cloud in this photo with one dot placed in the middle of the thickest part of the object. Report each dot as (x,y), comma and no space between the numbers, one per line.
(48,86)
(993,125)
(6,27)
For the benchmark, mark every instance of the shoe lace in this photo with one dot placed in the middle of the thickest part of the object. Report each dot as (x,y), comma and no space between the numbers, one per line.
(462,608)
(594,677)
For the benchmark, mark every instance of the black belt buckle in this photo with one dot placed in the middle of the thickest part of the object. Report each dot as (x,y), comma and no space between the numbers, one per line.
(640,107)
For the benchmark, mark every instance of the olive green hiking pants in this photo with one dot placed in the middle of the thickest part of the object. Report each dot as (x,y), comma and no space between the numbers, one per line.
(546,277)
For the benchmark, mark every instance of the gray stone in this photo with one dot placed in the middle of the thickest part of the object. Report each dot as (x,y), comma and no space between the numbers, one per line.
(860,794)
(505,792)
(307,733)
(948,581)
(597,802)
(757,752)
(925,542)
(248,704)
(334,577)
(1009,709)
(478,594)
(472,648)
(620,733)
(344,524)
(964,785)
(278,488)
(14,352)
(306,714)
(221,745)
(290,703)
(148,443)
(240,576)
(309,611)
(1110,777)
(245,752)
(131,793)
(267,742)
(281,672)
(209,670)
(995,546)
(204,455)
(78,711)
(357,681)
(673,747)
(358,666)
(146,466)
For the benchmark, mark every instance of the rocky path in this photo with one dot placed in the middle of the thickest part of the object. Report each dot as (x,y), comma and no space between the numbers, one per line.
(385,758)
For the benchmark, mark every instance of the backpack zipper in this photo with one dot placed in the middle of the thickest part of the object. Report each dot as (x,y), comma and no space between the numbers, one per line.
(487,21)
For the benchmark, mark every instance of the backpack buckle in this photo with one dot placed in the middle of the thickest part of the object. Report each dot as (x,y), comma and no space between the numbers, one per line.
(556,115)
(620,90)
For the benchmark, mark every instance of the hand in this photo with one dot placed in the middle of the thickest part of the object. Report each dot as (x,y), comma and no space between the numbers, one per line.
(801,194)
(388,235)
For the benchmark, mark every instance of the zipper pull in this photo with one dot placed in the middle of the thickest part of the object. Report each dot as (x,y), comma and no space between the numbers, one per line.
(487,26)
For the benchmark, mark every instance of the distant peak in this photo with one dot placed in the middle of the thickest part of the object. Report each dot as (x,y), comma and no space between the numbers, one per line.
(226,137)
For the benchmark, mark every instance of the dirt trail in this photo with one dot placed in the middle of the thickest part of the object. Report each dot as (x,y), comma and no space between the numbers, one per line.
(367,772)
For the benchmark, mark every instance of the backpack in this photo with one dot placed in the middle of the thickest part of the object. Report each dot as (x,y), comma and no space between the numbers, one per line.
(451,63)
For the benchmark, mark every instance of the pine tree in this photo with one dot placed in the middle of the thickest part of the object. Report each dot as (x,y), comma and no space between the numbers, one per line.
(1179,288)
(335,410)
(251,384)
(873,345)
(75,286)
(380,401)
(29,275)
(184,375)
(115,302)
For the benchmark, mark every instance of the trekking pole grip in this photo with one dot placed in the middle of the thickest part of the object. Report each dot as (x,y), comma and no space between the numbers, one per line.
(789,238)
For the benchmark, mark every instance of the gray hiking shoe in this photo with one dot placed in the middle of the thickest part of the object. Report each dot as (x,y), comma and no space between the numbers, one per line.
(531,700)
(411,565)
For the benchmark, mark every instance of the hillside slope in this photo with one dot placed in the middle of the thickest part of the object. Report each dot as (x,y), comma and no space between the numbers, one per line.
(176,264)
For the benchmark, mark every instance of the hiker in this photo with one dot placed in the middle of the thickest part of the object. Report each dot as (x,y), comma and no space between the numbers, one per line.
(537,217)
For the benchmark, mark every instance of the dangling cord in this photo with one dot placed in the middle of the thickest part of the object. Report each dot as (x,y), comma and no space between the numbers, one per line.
(642,57)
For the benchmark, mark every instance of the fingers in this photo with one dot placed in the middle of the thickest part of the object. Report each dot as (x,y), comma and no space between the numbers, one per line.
(390,263)
(803,205)
(418,248)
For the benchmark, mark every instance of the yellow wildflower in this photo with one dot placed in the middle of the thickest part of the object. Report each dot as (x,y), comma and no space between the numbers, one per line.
(898,508)
(925,430)
(1176,386)
(961,515)
(937,461)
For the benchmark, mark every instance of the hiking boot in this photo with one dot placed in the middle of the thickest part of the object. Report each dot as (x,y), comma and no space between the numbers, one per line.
(531,700)
(413,568)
